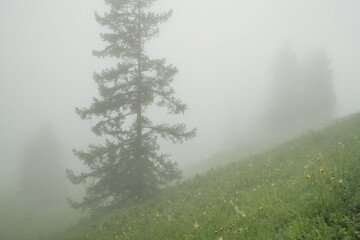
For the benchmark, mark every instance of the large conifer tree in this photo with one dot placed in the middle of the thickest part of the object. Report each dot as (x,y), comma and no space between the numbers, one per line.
(129,166)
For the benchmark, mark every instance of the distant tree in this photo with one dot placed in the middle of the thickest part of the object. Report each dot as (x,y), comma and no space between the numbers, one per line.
(42,177)
(129,166)
(302,92)
(318,99)
(285,91)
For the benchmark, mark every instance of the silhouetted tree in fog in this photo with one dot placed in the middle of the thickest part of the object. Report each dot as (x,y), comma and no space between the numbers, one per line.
(42,177)
(285,91)
(317,104)
(302,92)
(129,166)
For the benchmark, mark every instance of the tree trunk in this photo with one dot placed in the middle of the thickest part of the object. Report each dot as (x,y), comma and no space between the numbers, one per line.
(139,165)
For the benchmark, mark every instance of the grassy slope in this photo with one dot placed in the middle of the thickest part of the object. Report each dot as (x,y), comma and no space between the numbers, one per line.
(226,157)
(266,196)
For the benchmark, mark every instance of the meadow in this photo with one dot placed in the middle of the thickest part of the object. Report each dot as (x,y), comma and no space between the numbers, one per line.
(306,188)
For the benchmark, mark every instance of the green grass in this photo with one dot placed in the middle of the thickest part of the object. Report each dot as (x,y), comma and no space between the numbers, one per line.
(265,196)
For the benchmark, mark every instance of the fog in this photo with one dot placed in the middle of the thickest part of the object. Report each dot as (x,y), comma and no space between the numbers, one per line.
(225,53)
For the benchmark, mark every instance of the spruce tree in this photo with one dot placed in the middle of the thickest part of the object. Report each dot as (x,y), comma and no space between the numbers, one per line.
(128,166)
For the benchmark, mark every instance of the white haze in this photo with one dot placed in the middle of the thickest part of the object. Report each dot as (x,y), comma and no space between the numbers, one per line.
(224,51)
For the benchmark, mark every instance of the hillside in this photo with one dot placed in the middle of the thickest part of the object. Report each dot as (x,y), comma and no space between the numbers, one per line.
(306,188)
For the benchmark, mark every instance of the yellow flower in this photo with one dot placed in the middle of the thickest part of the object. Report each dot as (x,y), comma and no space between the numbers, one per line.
(333,178)
(321,170)
(221,229)
(216,231)
(308,176)
(261,208)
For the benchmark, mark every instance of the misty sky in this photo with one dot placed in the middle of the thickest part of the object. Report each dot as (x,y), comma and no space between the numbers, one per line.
(224,51)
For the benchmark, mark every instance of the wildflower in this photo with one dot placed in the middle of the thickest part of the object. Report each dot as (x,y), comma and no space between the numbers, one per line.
(242,213)
(221,229)
(196,225)
(261,208)
(321,170)
(333,178)
(308,176)
(215,231)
